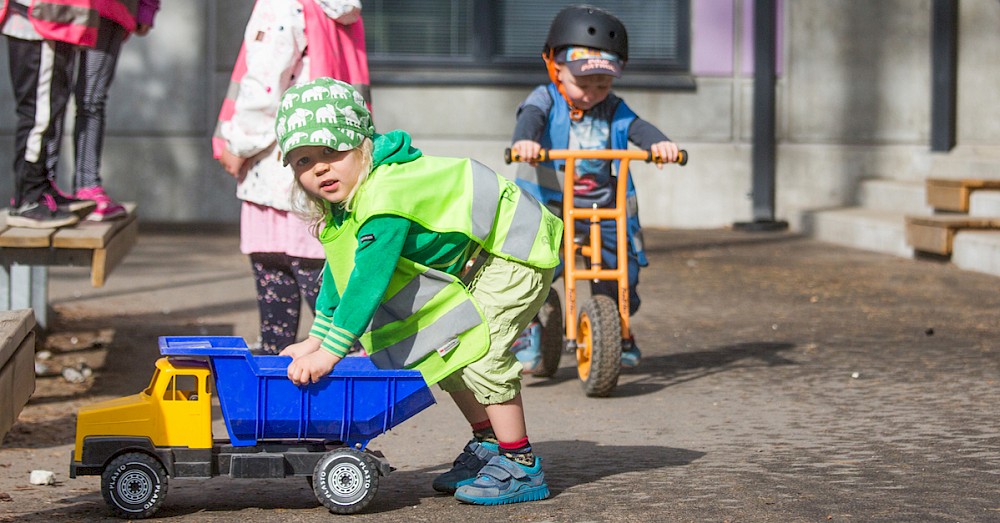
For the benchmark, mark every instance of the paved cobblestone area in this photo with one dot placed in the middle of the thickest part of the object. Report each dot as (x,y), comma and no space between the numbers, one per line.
(783,380)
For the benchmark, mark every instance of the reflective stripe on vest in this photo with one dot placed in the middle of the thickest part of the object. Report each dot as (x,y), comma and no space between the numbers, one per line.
(486,199)
(442,335)
(427,321)
(414,295)
(71,21)
(464,196)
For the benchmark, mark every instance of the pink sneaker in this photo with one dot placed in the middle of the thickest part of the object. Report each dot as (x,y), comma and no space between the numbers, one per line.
(66,202)
(107,209)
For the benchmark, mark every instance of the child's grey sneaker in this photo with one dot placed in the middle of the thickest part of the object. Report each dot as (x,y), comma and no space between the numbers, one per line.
(42,214)
(503,481)
(467,465)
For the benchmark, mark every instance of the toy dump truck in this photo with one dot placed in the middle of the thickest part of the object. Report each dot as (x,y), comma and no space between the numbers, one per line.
(276,429)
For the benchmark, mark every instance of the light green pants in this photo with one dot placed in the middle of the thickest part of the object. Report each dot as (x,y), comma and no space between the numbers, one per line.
(510,295)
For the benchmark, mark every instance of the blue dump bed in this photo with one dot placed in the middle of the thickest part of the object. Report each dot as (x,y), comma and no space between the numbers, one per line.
(353,404)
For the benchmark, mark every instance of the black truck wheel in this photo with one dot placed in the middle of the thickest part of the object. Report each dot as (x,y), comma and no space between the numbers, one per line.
(134,485)
(345,481)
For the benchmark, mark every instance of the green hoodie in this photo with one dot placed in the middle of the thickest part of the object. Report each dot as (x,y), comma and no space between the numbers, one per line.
(340,320)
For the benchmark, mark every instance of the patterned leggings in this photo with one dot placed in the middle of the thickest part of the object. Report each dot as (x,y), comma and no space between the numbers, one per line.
(96,73)
(282,282)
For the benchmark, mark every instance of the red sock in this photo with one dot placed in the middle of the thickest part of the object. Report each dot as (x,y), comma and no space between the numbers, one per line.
(521,446)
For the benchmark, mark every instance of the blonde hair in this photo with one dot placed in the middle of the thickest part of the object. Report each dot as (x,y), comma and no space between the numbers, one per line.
(314,209)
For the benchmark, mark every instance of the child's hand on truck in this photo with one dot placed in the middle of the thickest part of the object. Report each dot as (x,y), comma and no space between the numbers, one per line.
(309,362)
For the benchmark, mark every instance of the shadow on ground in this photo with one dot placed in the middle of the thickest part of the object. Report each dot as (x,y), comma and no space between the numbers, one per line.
(659,372)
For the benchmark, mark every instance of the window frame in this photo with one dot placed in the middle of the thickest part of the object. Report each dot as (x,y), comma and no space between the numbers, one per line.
(484,68)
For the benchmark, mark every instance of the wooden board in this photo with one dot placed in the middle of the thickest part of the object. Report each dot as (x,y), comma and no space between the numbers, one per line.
(23,237)
(98,245)
(106,259)
(91,235)
(953,195)
(17,365)
(936,234)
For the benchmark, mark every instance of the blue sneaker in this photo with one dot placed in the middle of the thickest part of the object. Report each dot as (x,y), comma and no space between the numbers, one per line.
(467,465)
(528,347)
(630,354)
(503,481)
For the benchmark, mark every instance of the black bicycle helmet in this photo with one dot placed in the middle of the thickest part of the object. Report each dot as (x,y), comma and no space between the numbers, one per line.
(588,26)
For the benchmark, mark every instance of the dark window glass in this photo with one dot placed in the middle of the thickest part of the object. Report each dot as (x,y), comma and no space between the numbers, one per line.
(424,28)
(485,36)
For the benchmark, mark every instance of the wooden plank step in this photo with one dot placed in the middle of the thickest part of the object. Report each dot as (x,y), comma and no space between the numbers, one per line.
(936,234)
(82,235)
(953,194)
(24,237)
(91,235)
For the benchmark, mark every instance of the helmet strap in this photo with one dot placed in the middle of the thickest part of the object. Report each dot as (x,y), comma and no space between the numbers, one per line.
(550,64)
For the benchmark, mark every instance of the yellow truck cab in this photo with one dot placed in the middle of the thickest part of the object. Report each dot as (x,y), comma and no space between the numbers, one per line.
(175,410)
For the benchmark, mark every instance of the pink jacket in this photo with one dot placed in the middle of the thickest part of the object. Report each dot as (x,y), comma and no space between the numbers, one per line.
(334,50)
(70,21)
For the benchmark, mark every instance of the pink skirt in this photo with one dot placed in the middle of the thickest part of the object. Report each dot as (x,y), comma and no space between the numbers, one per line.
(266,229)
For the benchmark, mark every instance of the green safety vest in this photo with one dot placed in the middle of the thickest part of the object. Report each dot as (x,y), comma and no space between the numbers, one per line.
(428,319)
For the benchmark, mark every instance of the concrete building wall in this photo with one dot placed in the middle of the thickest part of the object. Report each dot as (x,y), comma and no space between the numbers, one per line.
(853,101)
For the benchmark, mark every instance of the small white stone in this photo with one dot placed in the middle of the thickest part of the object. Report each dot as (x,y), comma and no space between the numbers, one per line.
(855,375)
(72,375)
(43,477)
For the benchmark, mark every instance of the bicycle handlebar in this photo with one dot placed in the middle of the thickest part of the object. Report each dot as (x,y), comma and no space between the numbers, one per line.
(600,154)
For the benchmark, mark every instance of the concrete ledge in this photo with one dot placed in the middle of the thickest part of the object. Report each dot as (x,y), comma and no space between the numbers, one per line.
(977,251)
(984,203)
(868,229)
(906,197)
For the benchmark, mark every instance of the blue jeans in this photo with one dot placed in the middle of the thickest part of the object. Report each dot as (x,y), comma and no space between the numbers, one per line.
(609,260)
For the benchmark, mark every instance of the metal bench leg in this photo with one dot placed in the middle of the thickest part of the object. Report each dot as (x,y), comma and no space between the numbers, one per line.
(5,289)
(29,289)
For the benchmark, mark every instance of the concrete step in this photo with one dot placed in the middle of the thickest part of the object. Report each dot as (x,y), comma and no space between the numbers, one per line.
(985,203)
(977,251)
(907,197)
(862,228)
(979,162)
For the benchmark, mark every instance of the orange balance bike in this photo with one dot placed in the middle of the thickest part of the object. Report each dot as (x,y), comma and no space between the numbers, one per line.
(598,334)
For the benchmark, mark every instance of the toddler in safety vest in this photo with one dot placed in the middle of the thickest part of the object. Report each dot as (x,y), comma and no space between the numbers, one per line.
(584,52)
(434,264)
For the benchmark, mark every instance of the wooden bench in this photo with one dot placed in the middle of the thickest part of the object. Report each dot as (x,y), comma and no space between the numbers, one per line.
(26,254)
(953,195)
(936,234)
(17,365)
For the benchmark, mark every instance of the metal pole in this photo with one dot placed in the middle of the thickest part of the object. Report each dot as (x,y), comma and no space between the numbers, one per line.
(944,82)
(765,72)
